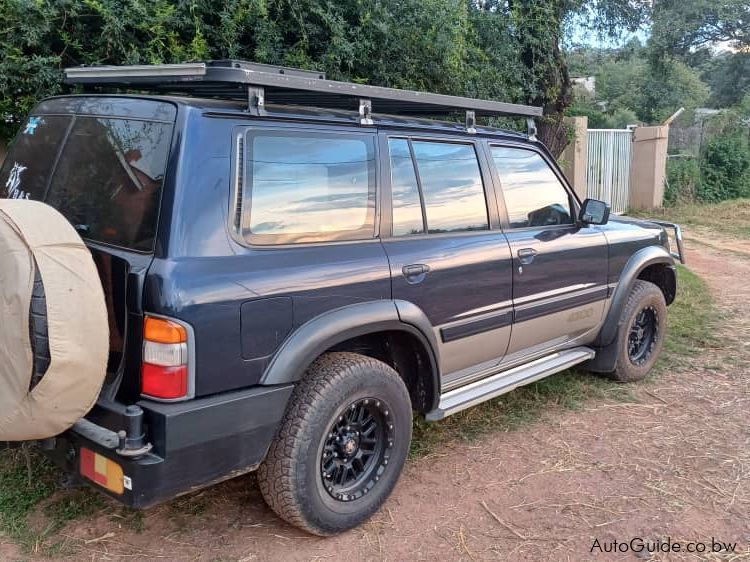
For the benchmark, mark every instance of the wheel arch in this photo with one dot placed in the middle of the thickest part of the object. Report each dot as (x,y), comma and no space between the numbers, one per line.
(653,264)
(355,327)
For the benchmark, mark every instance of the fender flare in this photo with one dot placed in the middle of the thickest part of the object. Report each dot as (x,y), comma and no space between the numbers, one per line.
(639,261)
(335,326)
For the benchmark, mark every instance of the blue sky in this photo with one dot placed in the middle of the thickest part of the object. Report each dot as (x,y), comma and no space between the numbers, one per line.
(579,35)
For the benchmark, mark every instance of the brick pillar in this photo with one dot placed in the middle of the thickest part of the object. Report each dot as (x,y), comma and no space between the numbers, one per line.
(649,169)
(575,156)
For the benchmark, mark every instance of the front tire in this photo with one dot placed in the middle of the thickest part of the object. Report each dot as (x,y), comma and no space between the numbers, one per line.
(341,445)
(642,331)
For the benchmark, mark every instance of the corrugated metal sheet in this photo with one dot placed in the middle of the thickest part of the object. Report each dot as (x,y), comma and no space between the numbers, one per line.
(610,155)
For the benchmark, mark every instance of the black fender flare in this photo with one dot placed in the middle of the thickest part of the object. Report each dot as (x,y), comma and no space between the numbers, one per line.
(639,261)
(321,333)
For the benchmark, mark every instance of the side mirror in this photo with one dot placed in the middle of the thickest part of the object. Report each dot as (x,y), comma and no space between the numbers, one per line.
(594,211)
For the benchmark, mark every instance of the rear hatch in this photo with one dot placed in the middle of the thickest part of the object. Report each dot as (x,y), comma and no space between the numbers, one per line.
(101,162)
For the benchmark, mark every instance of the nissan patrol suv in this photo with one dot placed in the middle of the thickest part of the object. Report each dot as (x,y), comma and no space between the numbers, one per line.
(293,267)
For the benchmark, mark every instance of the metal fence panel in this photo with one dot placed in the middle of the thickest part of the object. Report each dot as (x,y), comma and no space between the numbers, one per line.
(610,155)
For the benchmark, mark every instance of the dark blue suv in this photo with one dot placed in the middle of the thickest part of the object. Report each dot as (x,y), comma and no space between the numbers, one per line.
(288,282)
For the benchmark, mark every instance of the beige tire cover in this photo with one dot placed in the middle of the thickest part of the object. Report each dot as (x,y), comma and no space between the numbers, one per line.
(78,330)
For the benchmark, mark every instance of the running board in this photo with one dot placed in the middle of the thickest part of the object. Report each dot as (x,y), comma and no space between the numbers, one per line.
(505,381)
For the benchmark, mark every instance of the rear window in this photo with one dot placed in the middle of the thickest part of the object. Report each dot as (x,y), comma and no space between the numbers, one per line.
(108,178)
(309,187)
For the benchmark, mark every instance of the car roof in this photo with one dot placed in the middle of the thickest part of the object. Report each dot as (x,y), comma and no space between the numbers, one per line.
(238,109)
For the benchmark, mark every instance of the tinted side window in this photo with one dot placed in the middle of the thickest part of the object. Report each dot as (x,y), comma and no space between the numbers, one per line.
(307,187)
(109,178)
(29,161)
(533,194)
(407,207)
(451,186)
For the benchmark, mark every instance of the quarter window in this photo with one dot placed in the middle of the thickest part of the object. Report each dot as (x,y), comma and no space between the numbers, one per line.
(445,179)
(407,208)
(533,194)
(308,187)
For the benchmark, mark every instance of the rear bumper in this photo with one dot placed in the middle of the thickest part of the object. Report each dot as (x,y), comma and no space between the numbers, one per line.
(195,443)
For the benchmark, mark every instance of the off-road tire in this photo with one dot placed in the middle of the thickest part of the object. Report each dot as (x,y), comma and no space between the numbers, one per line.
(38,334)
(644,295)
(291,477)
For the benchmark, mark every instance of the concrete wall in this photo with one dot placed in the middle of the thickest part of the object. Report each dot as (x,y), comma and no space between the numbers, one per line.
(649,170)
(575,156)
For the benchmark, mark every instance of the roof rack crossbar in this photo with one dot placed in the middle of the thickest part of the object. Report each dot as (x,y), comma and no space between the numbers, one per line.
(259,84)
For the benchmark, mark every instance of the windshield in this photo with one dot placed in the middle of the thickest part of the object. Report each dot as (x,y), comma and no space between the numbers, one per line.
(104,174)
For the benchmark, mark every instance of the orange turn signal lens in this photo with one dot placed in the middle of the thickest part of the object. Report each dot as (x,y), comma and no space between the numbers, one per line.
(160,330)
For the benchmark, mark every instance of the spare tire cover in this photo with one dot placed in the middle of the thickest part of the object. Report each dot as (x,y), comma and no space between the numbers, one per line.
(33,234)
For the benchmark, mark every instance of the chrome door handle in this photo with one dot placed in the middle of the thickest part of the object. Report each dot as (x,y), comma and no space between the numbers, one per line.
(527,255)
(415,273)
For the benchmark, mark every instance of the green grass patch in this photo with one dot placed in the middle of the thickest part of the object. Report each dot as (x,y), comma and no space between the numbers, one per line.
(731,218)
(691,319)
(25,480)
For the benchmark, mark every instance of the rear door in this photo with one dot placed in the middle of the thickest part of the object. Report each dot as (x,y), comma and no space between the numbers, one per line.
(101,162)
(559,268)
(446,250)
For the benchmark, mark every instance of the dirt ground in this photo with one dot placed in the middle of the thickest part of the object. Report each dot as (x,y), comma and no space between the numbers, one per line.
(674,462)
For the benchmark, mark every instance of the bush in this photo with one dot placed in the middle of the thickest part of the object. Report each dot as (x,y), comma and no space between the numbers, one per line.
(683,180)
(582,107)
(725,169)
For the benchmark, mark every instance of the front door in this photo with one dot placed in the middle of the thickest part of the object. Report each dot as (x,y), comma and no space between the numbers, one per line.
(446,251)
(559,268)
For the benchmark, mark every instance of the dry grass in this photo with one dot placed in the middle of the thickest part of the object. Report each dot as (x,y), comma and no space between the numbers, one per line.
(731,218)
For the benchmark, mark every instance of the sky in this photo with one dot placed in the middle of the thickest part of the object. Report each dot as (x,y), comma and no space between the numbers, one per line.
(579,35)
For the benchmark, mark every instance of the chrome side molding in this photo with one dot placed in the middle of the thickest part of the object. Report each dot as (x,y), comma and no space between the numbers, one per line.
(482,390)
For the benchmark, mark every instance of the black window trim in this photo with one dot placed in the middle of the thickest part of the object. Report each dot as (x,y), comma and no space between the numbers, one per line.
(485,167)
(573,201)
(64,142)
(244,237)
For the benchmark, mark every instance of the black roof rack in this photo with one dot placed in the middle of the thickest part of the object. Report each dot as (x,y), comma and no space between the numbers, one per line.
(261,83)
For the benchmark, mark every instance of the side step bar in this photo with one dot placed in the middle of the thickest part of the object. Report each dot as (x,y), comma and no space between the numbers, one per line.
(505,381)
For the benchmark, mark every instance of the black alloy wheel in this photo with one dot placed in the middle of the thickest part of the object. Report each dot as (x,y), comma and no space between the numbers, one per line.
(357,449)
(643,335)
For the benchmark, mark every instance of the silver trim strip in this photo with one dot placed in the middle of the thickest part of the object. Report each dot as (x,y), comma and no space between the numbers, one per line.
(475,393)
(554,293)
(589,288)
(488,308)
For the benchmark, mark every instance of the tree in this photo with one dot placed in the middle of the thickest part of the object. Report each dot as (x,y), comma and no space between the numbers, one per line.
(503,49)
(681,26)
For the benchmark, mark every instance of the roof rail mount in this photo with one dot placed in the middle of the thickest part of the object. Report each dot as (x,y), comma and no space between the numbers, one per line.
(259,84)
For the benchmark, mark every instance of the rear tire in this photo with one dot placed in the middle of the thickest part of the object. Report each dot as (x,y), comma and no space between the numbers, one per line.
(341,445)
(642,331)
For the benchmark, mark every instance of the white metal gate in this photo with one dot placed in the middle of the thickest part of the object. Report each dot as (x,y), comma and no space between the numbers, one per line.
(610,154)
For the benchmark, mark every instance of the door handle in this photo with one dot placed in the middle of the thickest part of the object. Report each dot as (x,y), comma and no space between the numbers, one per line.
(526,255)
(412,271)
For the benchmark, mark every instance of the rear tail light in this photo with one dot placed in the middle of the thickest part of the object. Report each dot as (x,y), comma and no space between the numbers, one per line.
(166,373)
